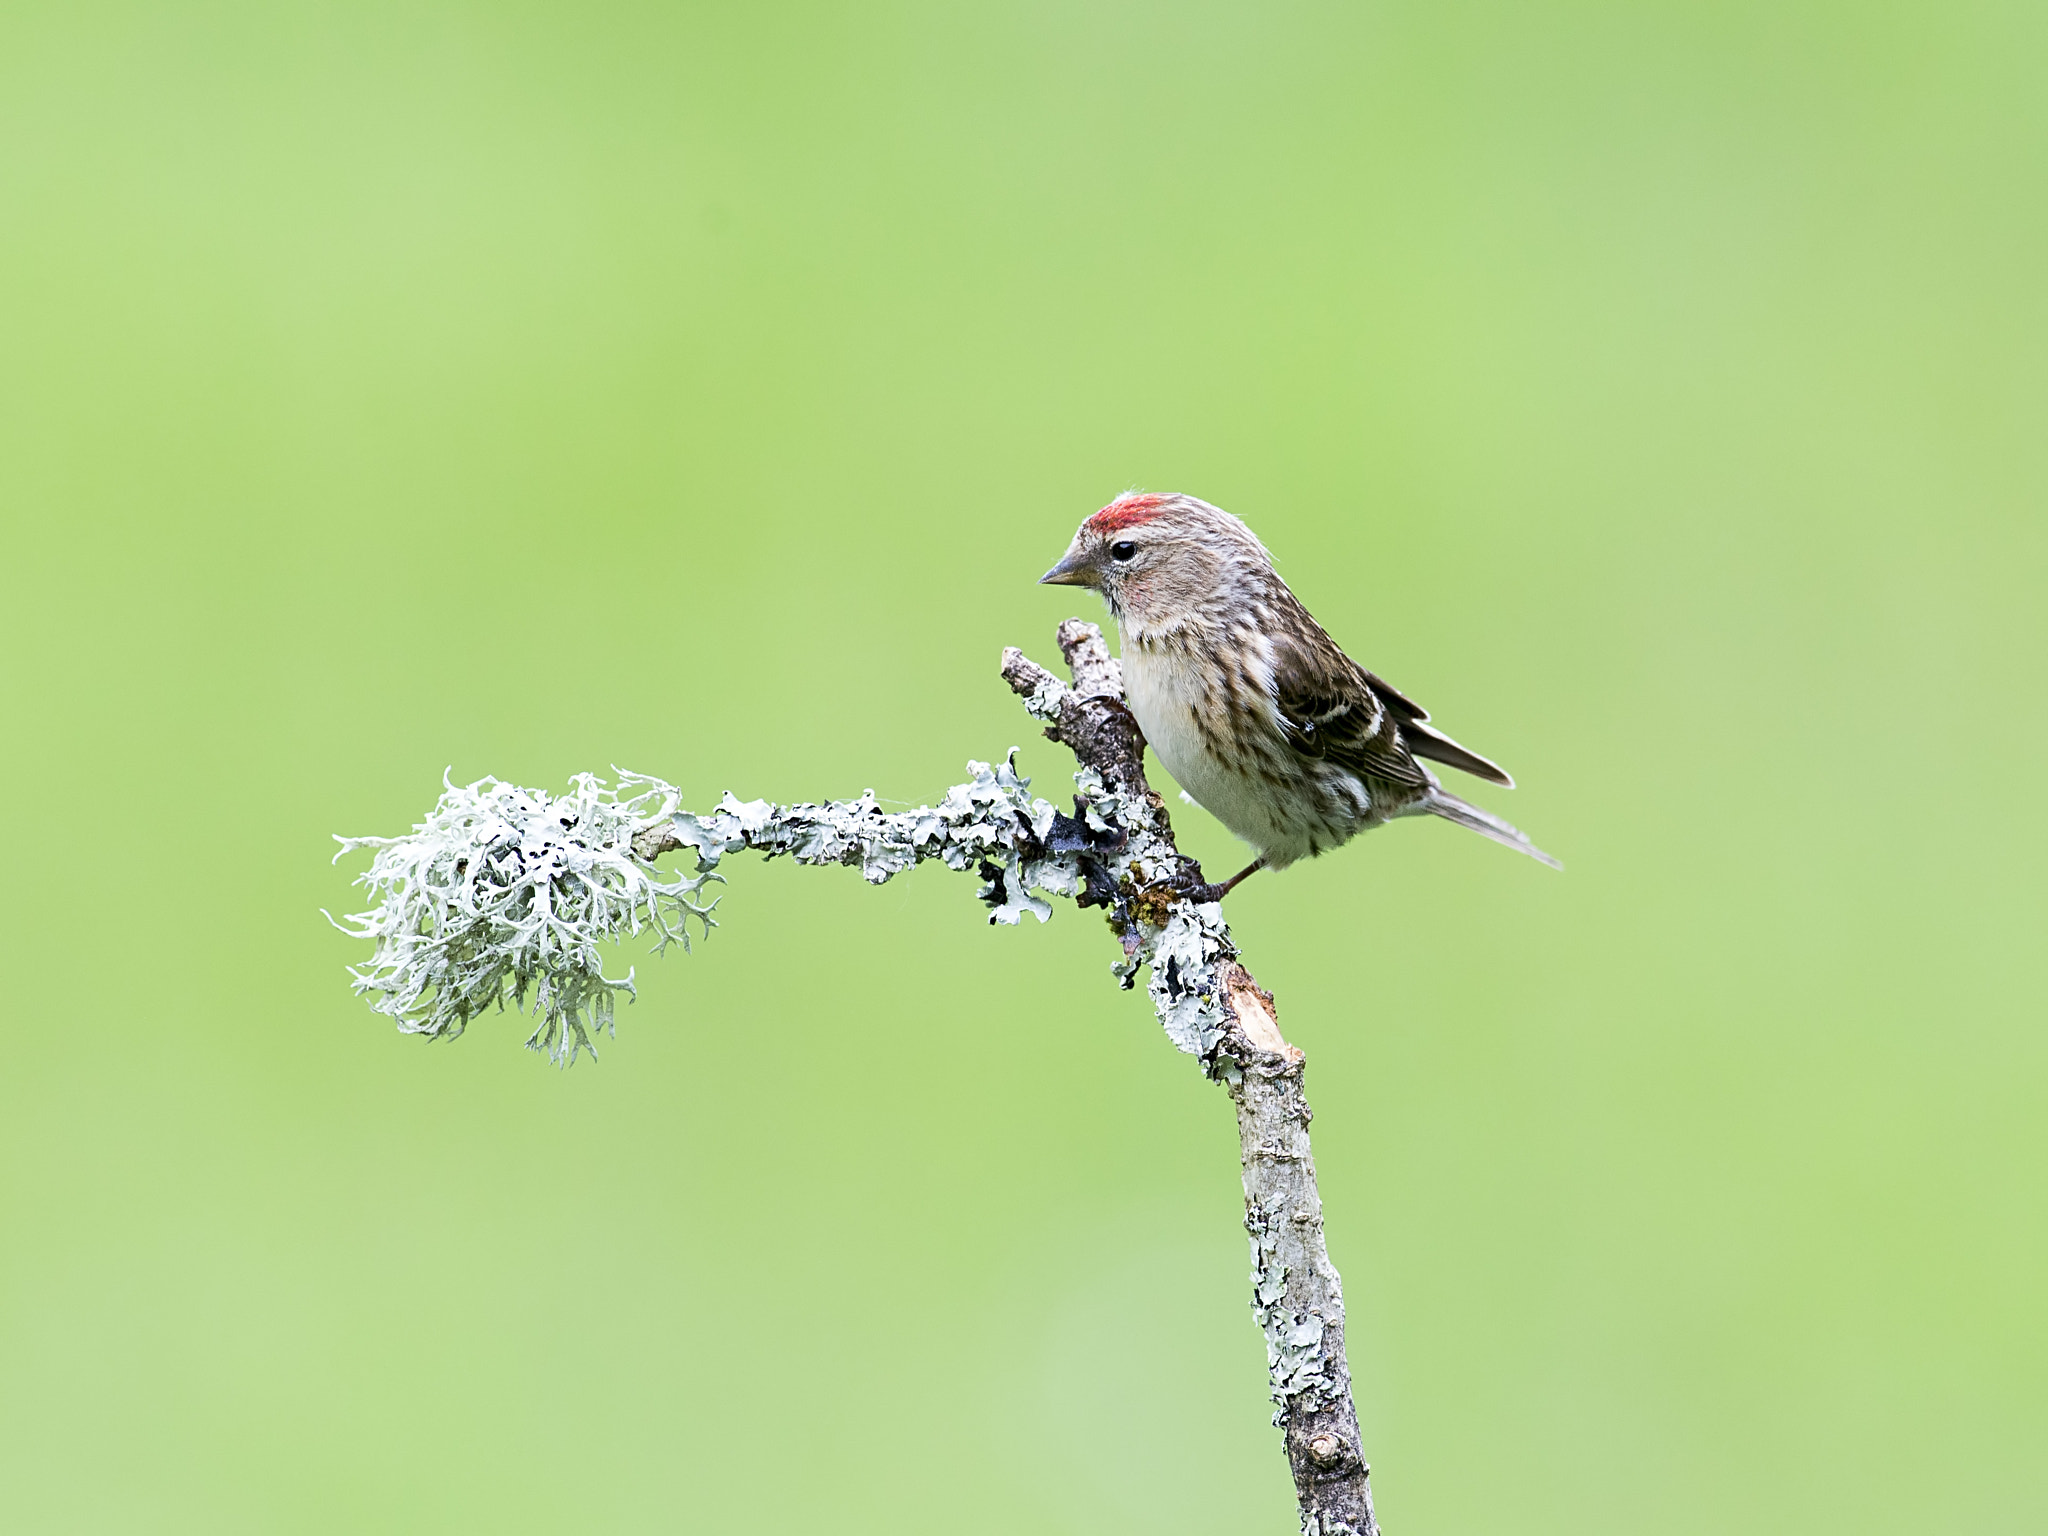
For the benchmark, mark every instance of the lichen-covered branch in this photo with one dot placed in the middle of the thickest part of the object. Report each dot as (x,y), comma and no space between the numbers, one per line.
(506,892)
(502,890)
(1296,1295)
(1211,1006)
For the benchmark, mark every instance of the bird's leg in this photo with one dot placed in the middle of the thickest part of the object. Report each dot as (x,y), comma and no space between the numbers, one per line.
(1231,884)
(1188,882)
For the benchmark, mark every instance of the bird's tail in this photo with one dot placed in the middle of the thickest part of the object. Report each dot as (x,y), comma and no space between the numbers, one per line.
(1485,823)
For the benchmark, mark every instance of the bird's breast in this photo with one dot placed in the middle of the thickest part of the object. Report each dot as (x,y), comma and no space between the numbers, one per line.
(1213,730)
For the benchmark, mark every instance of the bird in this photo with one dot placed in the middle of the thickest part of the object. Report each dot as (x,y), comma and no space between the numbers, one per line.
(1259,715)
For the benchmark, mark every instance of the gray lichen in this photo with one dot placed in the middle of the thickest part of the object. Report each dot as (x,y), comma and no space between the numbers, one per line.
(990,824)
(503,891)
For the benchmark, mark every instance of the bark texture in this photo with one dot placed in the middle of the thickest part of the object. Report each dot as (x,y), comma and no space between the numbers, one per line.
(1297,1296)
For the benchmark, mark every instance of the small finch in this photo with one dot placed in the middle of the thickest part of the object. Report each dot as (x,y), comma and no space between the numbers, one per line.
(1249,703)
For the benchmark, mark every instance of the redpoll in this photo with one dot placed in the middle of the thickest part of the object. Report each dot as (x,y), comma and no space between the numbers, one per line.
(1264,721)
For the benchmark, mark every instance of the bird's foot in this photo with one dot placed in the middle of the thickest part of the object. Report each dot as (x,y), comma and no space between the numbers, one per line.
(1187,883)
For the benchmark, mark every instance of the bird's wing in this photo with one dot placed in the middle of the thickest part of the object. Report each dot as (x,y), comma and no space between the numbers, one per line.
(1394,698)
(1328,709)
(1426,740)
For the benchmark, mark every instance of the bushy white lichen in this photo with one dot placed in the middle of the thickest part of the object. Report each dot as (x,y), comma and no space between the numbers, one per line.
(504,891)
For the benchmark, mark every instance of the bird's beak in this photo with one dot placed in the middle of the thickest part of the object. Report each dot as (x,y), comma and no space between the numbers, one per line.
(1076,570)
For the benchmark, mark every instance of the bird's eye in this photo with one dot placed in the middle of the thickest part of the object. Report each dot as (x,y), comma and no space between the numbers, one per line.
(1123,549)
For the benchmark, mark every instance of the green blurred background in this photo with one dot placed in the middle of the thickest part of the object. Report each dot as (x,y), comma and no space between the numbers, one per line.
(1654,391)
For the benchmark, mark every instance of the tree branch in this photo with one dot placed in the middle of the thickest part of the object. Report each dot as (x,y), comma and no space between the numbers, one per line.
(504,891)
(1297,1296)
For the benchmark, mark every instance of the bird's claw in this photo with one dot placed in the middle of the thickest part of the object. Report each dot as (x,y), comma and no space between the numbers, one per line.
(1186,884)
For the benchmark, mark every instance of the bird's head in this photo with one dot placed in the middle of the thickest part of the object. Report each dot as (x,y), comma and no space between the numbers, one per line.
(1157,558)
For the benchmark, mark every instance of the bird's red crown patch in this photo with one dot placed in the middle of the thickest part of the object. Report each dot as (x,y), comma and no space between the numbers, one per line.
(1128,512)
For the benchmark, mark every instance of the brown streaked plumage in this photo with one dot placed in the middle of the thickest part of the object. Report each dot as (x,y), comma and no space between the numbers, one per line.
(1246,699)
